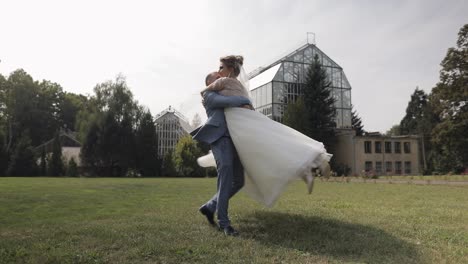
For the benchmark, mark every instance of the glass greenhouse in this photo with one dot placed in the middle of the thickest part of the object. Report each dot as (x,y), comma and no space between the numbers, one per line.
(274,86)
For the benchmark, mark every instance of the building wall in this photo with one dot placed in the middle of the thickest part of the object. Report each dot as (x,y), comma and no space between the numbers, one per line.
(409,162)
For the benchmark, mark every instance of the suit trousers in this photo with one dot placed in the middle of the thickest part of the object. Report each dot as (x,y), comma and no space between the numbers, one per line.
(230,178)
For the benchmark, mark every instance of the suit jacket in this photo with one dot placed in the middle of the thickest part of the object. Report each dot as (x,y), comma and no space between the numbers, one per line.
(216,127)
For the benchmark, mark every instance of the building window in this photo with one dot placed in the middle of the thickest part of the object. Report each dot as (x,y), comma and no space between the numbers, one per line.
(368,166)
(407,167)
(378,167)
(388,147)
(367,147)
(407,147)
(378,147)
(398,167)
(397,147)
(388,167)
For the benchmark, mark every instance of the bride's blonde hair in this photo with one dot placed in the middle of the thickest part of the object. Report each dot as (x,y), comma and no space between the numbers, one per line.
(233,61)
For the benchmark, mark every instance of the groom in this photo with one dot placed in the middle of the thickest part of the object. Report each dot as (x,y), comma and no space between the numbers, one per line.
(229,167)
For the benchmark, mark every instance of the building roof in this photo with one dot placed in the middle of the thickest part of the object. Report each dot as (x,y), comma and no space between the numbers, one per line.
(264,78)
(172,111)
(67,139)
(288,57)
(263,75)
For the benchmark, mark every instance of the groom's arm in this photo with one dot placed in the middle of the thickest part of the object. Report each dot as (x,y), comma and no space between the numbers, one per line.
(215,100)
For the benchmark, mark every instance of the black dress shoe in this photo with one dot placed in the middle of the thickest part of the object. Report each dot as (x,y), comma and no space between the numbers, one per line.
(229,231)
(209,215)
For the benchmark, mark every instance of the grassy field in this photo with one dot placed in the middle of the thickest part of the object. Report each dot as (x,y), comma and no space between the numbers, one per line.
(104,220)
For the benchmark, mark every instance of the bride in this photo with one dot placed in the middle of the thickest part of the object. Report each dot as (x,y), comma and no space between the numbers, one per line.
(271,153)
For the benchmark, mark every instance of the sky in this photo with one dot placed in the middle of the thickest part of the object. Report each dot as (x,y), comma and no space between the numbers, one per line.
(166,48)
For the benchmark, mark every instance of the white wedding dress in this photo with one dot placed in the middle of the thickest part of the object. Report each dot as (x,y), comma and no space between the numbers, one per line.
(272,154)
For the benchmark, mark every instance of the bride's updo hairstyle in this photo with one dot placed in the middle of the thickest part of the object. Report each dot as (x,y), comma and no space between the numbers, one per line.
(233,62)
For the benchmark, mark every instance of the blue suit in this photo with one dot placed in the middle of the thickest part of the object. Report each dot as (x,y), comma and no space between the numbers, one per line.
(229,167)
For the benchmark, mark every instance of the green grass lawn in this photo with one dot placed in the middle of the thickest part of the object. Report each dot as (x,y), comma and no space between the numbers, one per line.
(107,220)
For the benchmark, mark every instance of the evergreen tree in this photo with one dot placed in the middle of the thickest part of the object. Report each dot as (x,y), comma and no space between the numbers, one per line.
(56,167)
(22,161)
(185,158)
(449,101)
(319,105)
(356,123)
(147,161)
(90,150)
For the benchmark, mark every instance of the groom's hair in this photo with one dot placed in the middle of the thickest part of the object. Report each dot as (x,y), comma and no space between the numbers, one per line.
(210,78)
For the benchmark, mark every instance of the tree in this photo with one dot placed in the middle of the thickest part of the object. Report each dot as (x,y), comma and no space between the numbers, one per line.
(72,168)
(449,101)
(319,104)
(168,167)
(3,154)
(185,158)
(22,162)
(356,123)
(196,122)
(114,120)
(393,131)
(56,167)
(43,163)
(296,116)
(90,150)
(146,153)
(70,105)
(420,120)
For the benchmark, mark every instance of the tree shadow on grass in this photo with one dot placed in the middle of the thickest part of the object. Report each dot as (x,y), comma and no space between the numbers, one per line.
(334,239)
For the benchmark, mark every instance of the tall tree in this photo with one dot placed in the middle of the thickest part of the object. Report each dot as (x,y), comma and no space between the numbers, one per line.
(22,162)
(116,115)
(356,123)
(450,103)
(420,120)
(319,104)
(56,167)
(90,150)
(146,153)
(71,104)
(185,158)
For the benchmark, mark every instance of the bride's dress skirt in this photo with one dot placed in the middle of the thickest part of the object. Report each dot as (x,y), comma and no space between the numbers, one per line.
(272,154)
